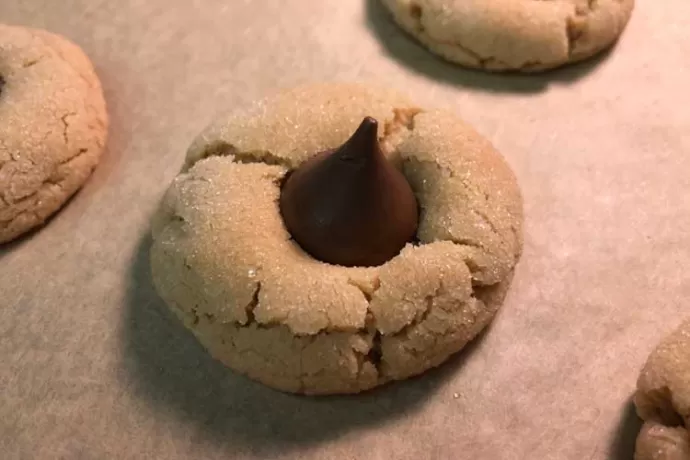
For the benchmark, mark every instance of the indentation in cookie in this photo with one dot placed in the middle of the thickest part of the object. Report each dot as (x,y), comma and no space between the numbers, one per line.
(375,354)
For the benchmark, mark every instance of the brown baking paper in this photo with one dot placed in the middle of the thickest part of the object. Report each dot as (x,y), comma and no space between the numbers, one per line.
(94,367)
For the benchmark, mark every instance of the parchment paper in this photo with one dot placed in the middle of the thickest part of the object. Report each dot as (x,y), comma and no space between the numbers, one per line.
(93,366)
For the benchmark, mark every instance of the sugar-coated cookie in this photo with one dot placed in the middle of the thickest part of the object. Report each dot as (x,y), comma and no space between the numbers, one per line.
(663,400)
(53,126)
(524,35)
(225,263)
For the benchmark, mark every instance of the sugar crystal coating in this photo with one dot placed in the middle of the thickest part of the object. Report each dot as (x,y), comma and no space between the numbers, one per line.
(663,399)
(53,126)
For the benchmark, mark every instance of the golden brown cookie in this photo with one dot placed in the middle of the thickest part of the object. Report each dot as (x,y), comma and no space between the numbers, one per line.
(663,400)
(53,126)
(223,260)
(659,442)
(524,35)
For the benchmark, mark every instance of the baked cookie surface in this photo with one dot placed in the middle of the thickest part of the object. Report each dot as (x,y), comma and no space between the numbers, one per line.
(663,400)
(53,126)
(223,260)
(524,35)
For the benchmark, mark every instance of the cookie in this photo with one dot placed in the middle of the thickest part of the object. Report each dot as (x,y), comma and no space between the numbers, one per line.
(522,35)
(659,442)
(225,263)
(663,400)
(53,126)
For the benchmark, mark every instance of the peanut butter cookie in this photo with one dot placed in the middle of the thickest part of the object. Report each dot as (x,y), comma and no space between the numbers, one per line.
(663,400)
(225,262)
(53,126)
(524,35)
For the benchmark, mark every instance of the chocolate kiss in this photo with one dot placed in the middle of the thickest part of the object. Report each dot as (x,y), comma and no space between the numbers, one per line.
(350,206)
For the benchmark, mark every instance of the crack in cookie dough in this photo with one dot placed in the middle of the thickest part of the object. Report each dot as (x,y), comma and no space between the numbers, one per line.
(403,117)
(225,149)
(576,24)
(4,224)
(30,63)
(397,129)
(251,306)
(75,156)
(660,402)
(65,126)
(421,316)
